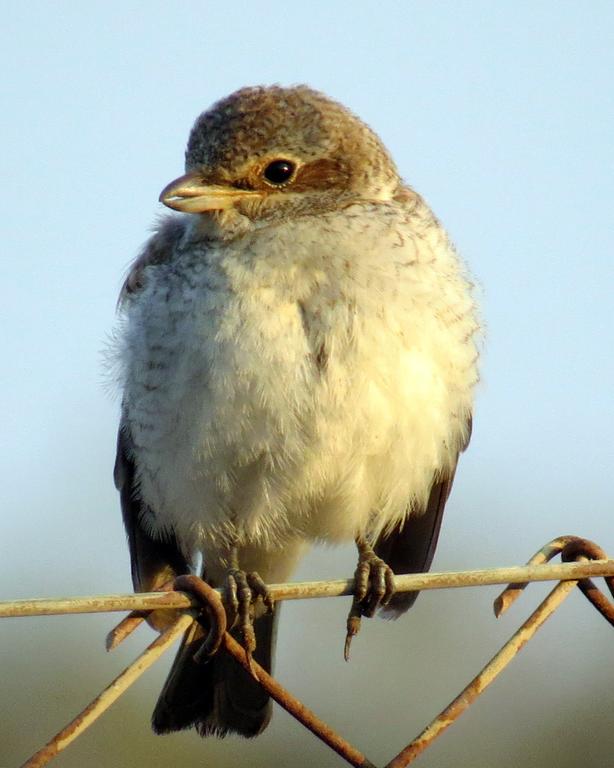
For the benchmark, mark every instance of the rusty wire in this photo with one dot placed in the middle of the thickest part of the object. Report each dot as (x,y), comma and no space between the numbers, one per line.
(110,694)
(144,602)
(581,559)
(577,547)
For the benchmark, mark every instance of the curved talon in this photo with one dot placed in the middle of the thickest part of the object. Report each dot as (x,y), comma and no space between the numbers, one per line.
(390,587)
(361,580)
(242,591)
(374,580)
(353,627)
(231,594)
(260,589)
(373,589)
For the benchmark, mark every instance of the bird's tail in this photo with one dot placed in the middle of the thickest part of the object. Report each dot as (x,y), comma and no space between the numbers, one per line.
(216,697)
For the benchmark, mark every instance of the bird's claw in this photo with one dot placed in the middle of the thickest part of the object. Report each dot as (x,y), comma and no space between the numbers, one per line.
(373,589)
(242,592)
(353,627)
(373,583)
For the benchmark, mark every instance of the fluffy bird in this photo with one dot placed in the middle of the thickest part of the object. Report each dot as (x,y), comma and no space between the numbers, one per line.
(298,360)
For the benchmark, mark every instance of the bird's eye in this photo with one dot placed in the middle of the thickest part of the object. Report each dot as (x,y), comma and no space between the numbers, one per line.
(279,172)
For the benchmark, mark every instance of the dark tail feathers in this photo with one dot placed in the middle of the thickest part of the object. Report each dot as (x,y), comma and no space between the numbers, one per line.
(216,697)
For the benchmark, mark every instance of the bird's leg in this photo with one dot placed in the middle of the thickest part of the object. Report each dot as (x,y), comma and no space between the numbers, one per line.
(373,588)
(242,591)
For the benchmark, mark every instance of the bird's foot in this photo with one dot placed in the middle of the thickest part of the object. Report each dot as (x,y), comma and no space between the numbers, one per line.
(243,591)
(373,588)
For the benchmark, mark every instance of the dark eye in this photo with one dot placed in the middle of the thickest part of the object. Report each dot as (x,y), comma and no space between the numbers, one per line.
(279,171)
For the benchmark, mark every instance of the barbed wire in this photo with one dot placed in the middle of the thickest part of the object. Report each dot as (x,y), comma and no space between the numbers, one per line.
(582,559)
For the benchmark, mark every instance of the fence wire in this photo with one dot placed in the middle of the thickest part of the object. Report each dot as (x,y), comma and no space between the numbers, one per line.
(581,560)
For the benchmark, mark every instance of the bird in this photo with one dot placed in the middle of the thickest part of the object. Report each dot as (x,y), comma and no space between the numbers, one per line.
(298,356)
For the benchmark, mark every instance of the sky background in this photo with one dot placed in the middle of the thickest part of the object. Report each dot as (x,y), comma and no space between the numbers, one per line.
(502,116)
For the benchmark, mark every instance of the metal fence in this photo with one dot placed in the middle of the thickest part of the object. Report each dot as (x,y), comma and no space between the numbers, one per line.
(581,560)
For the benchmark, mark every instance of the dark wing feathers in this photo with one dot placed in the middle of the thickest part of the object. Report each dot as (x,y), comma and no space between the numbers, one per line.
(154,561)
(410,547)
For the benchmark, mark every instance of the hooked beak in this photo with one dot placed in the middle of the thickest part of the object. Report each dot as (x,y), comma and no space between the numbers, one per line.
(190,194)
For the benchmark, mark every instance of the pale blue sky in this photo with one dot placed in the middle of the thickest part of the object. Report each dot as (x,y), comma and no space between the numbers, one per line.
(500,114)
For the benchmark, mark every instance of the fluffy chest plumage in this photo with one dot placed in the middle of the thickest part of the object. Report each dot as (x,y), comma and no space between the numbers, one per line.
(312,377)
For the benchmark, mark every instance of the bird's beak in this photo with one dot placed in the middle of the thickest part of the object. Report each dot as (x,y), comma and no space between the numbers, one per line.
(191,195)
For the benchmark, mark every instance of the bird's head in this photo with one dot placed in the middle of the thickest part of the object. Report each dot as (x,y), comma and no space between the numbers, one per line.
(270,153)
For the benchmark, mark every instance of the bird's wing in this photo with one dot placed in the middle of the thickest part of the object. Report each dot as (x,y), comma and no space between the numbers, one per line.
(410,546)
(154,561)
(157,250)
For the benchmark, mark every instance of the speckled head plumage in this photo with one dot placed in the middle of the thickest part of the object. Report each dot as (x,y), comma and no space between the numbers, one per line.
(332,158)
(260,118)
